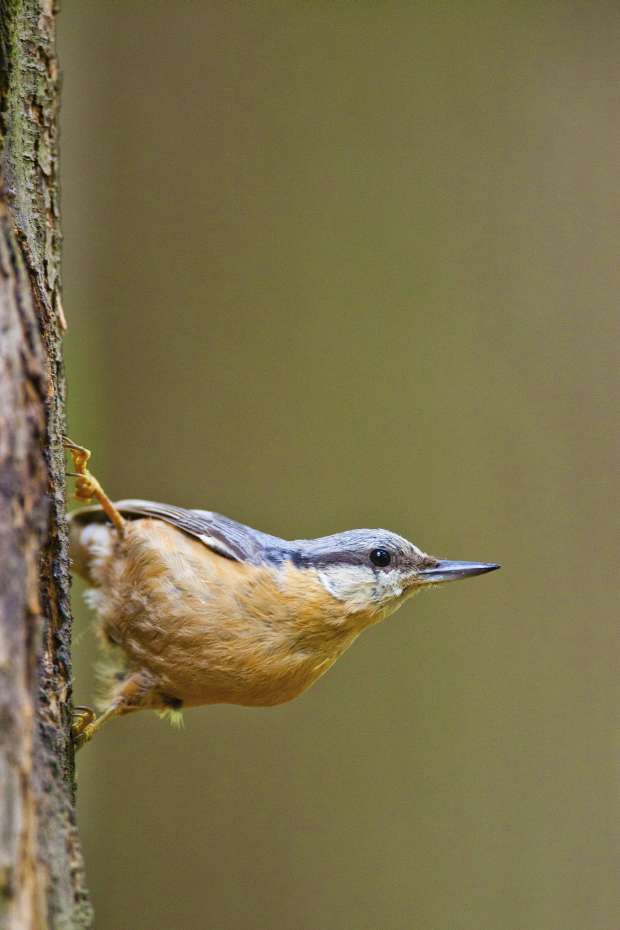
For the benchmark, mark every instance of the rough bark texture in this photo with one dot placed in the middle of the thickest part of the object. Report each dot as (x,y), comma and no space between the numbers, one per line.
(41,874)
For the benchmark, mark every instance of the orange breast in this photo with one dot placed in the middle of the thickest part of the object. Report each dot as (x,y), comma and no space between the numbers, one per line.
(205,629)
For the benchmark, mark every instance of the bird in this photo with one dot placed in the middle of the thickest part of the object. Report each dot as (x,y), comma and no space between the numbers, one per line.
(194,608)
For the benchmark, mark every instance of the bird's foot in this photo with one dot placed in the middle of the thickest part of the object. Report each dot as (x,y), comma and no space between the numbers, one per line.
(86,485)
(82,717)
(86,724)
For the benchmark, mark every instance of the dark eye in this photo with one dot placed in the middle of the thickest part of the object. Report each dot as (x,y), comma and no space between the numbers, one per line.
(380,557)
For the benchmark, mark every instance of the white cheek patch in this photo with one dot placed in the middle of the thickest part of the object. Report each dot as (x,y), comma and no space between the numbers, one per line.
(389,585)
(359,586)
(351,583)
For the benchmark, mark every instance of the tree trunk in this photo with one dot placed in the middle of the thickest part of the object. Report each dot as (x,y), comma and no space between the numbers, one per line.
(41,872)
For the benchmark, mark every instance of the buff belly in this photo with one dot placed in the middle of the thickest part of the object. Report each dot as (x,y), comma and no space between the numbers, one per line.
(192,627)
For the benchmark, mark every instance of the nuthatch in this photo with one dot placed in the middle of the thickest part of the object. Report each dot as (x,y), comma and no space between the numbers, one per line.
(199,609)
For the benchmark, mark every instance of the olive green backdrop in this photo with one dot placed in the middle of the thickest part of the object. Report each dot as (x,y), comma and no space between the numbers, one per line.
(355,264)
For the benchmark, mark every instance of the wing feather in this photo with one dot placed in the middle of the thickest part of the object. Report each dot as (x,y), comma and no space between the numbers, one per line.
(221,534)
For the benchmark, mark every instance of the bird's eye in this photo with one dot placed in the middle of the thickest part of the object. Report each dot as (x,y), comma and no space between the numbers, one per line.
(380,557)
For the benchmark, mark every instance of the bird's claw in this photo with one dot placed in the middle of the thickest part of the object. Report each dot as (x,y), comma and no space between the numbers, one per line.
(82,718)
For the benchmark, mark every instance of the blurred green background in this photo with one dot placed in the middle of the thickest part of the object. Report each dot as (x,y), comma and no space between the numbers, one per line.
(356,264)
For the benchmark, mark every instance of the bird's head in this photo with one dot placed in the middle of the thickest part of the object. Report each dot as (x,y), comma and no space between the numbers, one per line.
(375,571)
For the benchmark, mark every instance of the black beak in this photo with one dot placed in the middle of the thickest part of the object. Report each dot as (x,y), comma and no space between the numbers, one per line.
(445,570)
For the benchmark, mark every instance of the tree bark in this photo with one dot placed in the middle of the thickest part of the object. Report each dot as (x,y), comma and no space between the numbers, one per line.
(41,872)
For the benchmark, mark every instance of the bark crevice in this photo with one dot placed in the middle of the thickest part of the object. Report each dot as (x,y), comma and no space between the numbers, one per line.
(41,871)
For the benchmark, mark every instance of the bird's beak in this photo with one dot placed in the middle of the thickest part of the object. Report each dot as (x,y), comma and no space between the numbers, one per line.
(445,570)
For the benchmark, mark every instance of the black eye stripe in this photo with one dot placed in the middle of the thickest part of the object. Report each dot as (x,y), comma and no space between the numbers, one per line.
(380,557)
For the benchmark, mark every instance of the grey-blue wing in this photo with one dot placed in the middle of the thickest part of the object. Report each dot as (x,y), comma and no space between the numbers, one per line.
(221,534)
